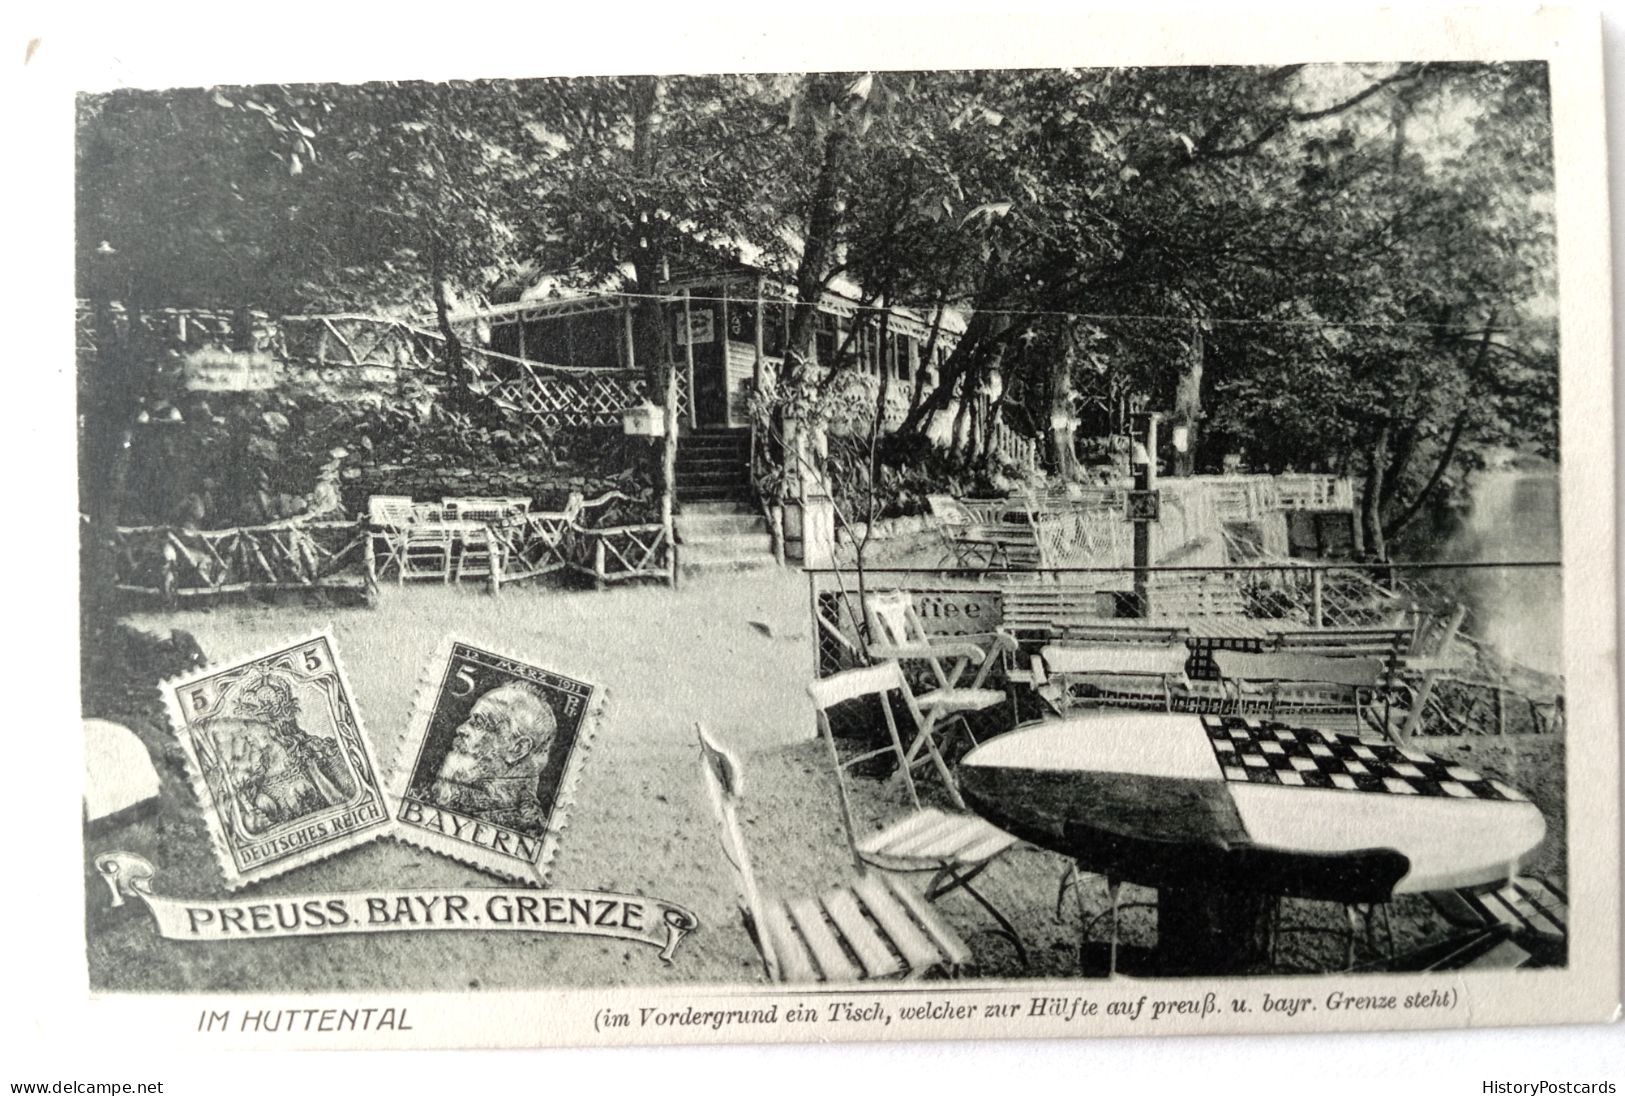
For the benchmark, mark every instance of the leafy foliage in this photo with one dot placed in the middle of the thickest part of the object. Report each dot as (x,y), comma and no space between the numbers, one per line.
(1361,257)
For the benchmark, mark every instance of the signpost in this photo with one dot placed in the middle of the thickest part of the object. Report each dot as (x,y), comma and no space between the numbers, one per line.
(1144,505)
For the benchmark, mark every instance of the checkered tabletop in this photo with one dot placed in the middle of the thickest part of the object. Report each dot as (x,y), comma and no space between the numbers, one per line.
(1258,752)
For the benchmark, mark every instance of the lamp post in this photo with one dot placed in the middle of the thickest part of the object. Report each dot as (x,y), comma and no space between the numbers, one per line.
(1143,506)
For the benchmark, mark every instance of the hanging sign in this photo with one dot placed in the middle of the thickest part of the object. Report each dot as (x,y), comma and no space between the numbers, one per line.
(701,327)
(1144,506)
(212,369)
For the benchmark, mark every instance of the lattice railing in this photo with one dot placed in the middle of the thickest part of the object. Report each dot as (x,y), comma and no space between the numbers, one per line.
(174,563)
(553,399)
(377,351)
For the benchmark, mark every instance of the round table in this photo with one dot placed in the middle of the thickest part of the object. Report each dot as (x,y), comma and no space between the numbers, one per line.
(1222,815)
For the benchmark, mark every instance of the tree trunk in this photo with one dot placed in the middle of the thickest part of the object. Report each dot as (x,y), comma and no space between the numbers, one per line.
(1457,428)
(1188,403)
(451,347)
(651,322)
(1402,446)
(927,354)
(823,218)
(981,346)
(990,423)
(1059,430)
(1375,545)
(956,434)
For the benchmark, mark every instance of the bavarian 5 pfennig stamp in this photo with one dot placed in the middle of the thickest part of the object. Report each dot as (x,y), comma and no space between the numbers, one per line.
(279,759)
(490,764)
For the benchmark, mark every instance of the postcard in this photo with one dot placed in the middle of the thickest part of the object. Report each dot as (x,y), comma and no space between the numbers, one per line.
(1092,527)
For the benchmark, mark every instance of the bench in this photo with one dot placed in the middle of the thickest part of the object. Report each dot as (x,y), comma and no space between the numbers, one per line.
(1352,642)
(1042,613)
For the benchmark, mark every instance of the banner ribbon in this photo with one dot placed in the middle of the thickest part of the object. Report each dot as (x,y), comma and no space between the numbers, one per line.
(650,921)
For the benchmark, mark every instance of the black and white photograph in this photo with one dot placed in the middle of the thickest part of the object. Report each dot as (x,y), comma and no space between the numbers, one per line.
(997,549)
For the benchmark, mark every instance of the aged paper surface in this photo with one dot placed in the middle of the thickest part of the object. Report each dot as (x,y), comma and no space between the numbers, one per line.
(643,856)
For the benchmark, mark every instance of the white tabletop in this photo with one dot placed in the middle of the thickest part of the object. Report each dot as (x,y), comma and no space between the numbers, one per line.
(1450,842)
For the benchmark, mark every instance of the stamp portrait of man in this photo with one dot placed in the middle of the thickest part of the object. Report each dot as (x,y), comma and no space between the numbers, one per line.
(493,769)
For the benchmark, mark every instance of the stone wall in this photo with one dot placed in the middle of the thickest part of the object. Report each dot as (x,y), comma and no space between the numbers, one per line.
(604,462)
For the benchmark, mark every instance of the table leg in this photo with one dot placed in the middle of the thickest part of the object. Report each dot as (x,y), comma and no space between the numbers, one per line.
(1211,930)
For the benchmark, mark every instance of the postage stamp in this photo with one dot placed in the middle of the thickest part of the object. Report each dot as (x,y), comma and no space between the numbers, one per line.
(279,759)
(489,767)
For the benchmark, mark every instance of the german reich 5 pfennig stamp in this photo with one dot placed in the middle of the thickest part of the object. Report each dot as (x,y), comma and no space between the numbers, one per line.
(279,759)
(489,767)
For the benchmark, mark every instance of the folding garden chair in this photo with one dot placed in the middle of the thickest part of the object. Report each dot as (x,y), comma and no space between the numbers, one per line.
(1529,912)
(388,517)
(954,845)
(896,633)
(870,926)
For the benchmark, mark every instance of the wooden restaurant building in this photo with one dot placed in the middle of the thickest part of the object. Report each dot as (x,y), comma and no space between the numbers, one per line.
(738,323)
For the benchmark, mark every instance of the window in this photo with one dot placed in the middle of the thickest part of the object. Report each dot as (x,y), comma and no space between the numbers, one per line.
(594,339)
(827,338)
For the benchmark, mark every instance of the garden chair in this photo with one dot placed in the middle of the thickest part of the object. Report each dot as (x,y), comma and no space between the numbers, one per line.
(389,511)
(426,552)
(955,846)
(869,927)
(958,528)
(1529,912)
(976,542)
(388,517)
(1480,949)
(895,633)
(479,555)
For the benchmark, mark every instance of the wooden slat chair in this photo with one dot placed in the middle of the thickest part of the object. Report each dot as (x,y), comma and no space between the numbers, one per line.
(1530,912)
(955,846)
(1481,949)
(479,555)
(426,552)
(869,927)
(896,633)
(1300,683)
(1127,675)
(956,526)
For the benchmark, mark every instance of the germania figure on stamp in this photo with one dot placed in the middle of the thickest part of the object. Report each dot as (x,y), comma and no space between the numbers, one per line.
(491,757)
(280,762)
